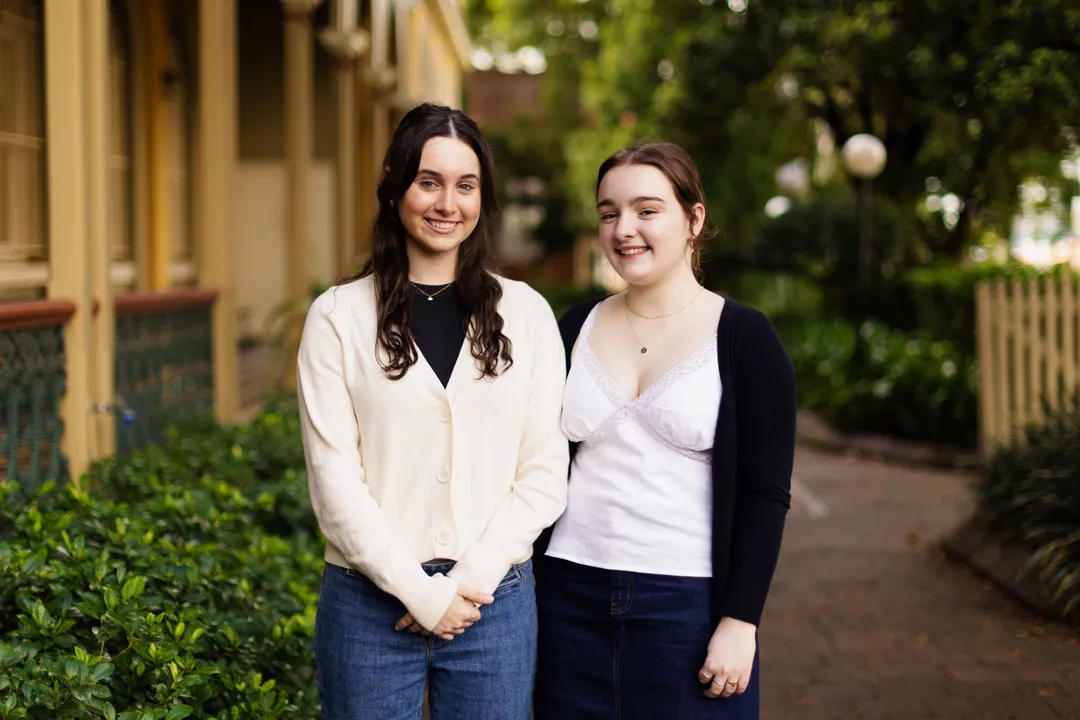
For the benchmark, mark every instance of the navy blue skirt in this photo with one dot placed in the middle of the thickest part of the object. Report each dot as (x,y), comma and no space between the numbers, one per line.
(626,646)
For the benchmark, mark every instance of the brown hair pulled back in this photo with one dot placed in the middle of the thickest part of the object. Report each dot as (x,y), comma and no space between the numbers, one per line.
(679,169)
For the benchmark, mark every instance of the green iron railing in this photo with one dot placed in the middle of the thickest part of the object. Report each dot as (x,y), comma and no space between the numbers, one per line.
(164,363)
(33,376)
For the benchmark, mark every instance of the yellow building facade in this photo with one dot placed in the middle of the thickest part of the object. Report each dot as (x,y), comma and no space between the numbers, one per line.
(171,171)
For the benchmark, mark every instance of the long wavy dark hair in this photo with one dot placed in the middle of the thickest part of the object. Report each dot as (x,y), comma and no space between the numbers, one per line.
(477,289)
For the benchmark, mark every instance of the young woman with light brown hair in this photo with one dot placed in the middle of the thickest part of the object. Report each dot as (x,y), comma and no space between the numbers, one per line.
(680,407)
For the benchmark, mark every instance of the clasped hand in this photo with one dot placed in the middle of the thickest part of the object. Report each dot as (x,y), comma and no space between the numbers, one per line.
(462,613)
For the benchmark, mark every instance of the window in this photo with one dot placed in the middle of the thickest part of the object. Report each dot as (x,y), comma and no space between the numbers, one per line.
(22,145)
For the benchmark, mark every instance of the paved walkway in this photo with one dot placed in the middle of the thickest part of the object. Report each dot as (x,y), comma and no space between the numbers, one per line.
(868,621)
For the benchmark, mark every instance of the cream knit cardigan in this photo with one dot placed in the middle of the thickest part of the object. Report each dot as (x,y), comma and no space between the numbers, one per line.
(404,471)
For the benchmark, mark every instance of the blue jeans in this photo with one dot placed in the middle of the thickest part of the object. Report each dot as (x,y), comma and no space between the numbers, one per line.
(366,670)
(627,646)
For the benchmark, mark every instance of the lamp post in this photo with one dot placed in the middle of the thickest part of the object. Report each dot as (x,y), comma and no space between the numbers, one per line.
(864,157)
(793,178)
(777,206)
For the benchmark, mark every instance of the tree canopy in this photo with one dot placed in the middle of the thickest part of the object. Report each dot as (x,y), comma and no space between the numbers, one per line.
(976,93)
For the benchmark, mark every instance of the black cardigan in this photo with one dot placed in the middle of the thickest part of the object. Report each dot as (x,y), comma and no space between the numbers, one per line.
(752,456)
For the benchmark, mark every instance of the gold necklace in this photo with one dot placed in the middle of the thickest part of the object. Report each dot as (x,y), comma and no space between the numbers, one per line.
(432,295)
(627,311)
(660,317)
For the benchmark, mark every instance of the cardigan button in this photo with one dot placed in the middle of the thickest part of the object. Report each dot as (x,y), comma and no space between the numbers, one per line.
(443,537)
(443,475)
(444,415)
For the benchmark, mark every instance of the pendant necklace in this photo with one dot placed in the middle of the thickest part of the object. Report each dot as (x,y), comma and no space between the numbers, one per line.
(432,295)
(627,311)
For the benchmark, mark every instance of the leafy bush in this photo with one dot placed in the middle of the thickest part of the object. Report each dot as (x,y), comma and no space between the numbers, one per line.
(1030,493)
(819,240)
(563,297)
(773,293)
(902,384)
(944,297)
(181,583)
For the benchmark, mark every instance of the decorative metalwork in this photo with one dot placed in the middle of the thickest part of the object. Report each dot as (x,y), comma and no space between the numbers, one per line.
(33,377)
(164,371)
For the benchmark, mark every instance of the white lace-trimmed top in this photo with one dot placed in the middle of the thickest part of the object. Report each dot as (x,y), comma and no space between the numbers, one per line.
(641,481)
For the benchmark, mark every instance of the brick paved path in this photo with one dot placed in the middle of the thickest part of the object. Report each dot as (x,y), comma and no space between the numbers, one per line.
(868,621)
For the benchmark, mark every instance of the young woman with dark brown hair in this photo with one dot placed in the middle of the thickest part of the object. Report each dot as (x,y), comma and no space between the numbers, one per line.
(680,405)
(430,393)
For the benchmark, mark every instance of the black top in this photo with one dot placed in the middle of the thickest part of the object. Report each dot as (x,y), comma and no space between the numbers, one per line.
(437,327)
(752,456)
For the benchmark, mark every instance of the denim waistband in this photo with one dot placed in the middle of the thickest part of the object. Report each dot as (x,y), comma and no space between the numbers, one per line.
(433,567)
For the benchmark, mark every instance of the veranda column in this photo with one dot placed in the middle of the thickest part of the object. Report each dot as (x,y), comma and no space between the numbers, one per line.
(347,43)
(384,73)
(158,131)
(217,173)
(95,49)
(69,277)
(381,81)
(299,111)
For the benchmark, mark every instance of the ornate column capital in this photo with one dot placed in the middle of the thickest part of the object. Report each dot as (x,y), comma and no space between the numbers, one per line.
(382,79)
(345,45)
(298,10)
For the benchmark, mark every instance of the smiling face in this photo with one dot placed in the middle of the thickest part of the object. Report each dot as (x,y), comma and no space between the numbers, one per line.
(644,231)
(441,207)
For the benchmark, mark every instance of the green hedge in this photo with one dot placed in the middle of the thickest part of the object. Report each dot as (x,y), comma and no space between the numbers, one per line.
(905,384)
(1030,493)
(563,297)
(919,379)
(944,297)
(182,584)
